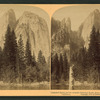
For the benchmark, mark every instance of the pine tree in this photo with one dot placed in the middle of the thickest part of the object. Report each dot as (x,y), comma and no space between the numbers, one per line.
(41,58)
(66,67)
(10,53)
(84,64)
(28,53)
(53,69)
(33,60)
(61,65)
(21,52)
(97,47)
(44,61)
(14,50)
(21,58)
(98,54)
(7,45)
(93,52)
(57,67)
(1,63)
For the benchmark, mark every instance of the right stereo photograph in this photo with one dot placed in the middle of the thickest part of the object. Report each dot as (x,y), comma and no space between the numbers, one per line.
(75,48)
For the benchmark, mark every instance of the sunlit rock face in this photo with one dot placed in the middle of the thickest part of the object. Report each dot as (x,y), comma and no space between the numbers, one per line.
(61,37)
(34,28)
(86,27)
(30,26)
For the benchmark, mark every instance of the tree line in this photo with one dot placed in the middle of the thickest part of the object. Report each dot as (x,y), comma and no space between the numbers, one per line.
(59,68)
(18,65)
(87,61)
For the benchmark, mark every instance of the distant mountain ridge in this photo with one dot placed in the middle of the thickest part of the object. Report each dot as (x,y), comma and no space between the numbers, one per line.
(31,27)
(86,27)
(74,39)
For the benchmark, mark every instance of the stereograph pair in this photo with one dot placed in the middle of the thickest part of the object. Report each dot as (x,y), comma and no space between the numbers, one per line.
(37,53)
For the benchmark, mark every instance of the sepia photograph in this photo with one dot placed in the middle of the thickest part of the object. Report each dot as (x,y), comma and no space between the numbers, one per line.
(24,48)
(75,48)
(49,49)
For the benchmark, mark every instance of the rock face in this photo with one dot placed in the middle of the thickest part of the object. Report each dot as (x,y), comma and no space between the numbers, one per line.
(31,27)
(7,19)
(85,29)
(64,39)
(66,23)
(65,36)
(61,37)
(34,28)
(60,42)
(74,39)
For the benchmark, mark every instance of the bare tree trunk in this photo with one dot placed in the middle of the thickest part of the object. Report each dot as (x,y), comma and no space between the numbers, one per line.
(71,83)
(98,77)
(21,79)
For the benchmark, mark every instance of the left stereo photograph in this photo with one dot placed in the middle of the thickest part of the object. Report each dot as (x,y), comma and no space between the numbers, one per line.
(24,48)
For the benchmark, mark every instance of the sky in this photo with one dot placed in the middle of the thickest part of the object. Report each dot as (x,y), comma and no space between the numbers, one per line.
(77,14)
(19,9)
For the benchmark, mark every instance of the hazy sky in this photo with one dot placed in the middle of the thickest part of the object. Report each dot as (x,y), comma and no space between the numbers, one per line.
(77,14)
(19,9)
